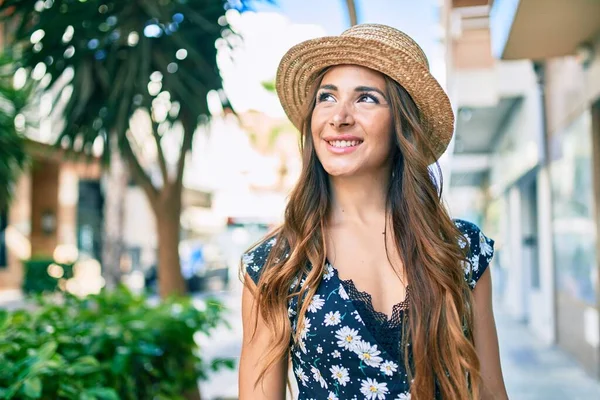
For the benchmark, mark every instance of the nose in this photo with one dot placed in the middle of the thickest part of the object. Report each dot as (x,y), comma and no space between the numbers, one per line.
(341,117)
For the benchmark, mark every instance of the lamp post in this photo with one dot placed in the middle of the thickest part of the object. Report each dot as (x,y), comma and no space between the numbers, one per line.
(351,6)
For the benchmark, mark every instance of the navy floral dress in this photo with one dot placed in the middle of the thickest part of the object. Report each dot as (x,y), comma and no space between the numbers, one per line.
(347,350)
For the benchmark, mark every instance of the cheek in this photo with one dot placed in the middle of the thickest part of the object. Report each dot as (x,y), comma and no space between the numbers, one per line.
(316,124)
(380,130)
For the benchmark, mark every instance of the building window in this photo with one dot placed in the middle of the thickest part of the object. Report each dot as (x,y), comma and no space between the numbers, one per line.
(3,250)
(573,222)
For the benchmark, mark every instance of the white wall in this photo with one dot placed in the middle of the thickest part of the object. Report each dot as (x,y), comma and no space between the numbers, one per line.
(483,87)
(542,318)
(514,294)
(139,226)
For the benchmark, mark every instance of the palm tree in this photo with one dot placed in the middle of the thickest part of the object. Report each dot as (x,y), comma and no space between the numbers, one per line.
(12,146)
(12,159)
(115,58)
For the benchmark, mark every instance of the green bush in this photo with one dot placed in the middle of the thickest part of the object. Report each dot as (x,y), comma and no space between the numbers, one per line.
(114,345)
(37,280)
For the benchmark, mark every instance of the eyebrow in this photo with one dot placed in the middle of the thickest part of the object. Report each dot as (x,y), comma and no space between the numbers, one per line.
(356,89)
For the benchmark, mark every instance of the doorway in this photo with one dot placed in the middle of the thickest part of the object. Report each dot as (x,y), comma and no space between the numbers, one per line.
(529,243)
(89,219)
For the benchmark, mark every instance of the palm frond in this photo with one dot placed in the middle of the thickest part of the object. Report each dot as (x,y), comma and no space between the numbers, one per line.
(12,147)
(116,49)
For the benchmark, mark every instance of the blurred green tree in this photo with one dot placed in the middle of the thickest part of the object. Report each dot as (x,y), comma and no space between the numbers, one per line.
(12,145)
(110,59)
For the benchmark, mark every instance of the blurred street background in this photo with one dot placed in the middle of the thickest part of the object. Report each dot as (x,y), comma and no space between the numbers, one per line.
(142,144)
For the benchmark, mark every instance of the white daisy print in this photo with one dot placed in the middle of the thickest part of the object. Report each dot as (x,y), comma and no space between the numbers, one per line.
(332,318)
(291,312)
(316,303)
(475,262)
(403,396)
(305,328)
(389,367)
(358,317)
(373,390)
(247,259)
(302,377)
(302,345)
(466,266)
(340,374)
(294,283)
(318,377)
(343,293)
(336,354)
(272,242)
(332,396)
(319,350)
(347,338)
(369,354)
(484,246)
(328,272)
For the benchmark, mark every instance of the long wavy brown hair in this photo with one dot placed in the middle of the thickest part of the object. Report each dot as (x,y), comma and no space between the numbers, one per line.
(440,317)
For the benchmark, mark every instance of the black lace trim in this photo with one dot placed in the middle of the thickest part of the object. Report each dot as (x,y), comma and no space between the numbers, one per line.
(386,330)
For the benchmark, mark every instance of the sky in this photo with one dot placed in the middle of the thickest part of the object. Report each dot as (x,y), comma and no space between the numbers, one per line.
(418,18)
(271,30)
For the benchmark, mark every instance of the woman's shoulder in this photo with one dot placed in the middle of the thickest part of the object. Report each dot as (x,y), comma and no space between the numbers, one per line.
(466,227)
(471,232)
(254,259)
(480,250)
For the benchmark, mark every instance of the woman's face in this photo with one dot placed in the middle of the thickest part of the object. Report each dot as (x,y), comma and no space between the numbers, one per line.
(352,123)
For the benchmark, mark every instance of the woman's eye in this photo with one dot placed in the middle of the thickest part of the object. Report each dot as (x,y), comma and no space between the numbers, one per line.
(324,97)
(367,98)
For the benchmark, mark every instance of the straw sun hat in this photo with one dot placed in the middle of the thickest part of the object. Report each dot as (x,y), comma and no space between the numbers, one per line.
(378,47)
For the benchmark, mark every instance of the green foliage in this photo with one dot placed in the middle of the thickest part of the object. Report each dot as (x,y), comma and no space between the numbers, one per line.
(110,346)
(269,86)
(37,279)
(114,49)
(12,146)
(12,161)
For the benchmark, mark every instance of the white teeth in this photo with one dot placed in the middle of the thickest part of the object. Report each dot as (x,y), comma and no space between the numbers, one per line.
(344,143)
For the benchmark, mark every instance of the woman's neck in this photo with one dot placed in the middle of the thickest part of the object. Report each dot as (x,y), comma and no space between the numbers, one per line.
(358,199)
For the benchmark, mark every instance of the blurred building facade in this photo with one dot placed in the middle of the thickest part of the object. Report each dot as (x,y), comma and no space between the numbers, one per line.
(524,78)
(56,212)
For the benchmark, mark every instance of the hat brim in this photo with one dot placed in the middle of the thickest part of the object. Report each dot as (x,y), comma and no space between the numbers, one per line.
(302,63)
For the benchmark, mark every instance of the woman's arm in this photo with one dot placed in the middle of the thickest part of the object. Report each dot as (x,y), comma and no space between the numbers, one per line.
(486,341)
(273,387)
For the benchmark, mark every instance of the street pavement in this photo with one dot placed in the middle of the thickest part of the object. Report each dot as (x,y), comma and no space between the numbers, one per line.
(534,371)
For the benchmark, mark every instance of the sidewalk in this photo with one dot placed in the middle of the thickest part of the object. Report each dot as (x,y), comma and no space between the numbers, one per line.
(533,371)
(11,299)
(224,342)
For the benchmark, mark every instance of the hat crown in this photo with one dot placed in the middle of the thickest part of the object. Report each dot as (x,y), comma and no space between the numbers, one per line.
(391,37)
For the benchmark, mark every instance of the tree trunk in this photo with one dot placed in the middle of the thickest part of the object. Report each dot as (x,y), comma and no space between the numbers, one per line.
(193,394)
(170,280)
(114,217)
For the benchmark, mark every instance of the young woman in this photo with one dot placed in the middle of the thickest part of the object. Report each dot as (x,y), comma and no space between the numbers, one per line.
(368,286)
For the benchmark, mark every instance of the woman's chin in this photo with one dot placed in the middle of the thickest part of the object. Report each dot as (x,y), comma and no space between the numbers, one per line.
(341,172)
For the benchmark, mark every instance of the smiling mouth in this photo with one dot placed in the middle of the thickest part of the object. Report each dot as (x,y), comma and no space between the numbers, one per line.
(344,143)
